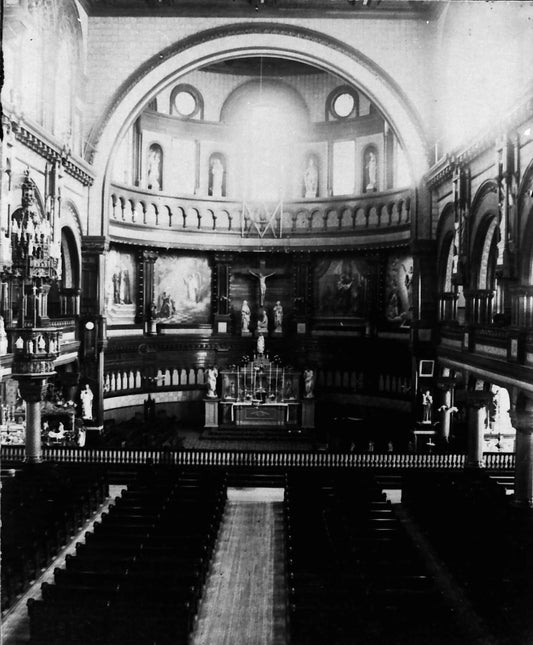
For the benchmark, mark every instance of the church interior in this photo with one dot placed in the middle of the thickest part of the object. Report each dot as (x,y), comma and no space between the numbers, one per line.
(266,322)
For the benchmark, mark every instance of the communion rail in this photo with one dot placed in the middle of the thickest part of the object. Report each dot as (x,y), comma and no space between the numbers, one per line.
(248,458)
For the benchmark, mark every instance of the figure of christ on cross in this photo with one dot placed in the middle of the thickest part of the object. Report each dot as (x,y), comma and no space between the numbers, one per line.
(262,277)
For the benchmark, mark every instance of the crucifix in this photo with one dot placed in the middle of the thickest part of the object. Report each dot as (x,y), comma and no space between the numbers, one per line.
(262,276)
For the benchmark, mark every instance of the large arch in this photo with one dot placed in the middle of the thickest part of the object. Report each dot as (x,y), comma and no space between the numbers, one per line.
(242,40)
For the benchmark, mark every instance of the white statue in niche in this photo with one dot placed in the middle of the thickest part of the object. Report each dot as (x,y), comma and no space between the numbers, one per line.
(260,344)
(311,179)
(217,175)
(154,169)
(86,397)
(371,171)
(212,374)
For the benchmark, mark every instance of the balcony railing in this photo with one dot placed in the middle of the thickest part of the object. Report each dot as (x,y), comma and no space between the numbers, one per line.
(263,459)
(376,212)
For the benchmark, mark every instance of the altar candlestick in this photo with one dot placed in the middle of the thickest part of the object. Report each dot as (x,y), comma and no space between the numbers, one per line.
(269,378)
(237,383)
(282,383)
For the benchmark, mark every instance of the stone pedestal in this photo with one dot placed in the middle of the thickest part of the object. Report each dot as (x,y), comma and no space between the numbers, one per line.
(211,413)
(308,413)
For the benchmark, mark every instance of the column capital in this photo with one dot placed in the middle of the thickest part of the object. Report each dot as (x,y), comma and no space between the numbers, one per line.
(149,256)
(32,389)
(446,383)
(94,244)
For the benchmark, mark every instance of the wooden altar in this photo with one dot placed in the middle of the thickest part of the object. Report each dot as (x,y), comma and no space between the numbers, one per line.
(260,393)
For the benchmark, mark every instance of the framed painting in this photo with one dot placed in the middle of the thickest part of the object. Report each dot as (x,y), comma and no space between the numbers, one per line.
(399,290)
(182,290)
(120,287)
(341,287)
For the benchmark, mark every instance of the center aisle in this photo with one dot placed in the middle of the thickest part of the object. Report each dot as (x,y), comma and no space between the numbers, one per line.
(245,595)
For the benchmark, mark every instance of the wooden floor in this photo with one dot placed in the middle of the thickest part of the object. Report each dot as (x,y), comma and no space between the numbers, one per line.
(244,598)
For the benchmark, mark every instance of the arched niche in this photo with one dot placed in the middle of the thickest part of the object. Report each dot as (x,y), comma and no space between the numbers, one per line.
(311,176)
(371,169)
(63,297)
(244,40)
(154,167)
(218,171)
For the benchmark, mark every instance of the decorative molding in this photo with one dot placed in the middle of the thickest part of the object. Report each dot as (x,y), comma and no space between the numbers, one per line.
(50,151)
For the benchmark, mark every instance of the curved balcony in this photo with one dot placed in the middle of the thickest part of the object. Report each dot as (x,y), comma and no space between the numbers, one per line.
(192,222)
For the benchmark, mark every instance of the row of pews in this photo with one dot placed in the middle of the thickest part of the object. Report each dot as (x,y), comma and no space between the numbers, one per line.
(354,575)
(139,575)
(42,508)
(485,542)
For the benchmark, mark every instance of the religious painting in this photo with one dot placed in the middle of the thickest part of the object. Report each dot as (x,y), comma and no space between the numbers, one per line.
(341,287)
(120,287)
(399,289)
(182,289)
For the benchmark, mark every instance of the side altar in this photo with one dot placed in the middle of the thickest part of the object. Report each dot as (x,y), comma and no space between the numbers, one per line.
(261,393)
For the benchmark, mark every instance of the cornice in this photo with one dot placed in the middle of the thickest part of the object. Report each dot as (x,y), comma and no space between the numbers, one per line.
(39,142)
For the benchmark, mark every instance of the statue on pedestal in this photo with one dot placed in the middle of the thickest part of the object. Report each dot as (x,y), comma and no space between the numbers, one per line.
(245,317)
(212,374)
(427,405)
(278,318)
(262,322)
(309,383)
(86,397)
(260,344)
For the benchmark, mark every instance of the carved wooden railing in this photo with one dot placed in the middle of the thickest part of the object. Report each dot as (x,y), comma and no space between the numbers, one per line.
(227,458)
(374,211)
(128,380)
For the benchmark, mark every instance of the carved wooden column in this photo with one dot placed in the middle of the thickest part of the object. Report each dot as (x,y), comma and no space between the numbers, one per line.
(221,292)
(93,323)
(523,485)
(476,402)
(303,292)
(146,304)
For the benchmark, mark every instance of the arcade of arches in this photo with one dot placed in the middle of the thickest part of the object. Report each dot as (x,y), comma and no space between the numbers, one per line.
(273,229)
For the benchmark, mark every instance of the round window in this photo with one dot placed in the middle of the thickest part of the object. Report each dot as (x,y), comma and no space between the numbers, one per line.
(343,105)
(185,103)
